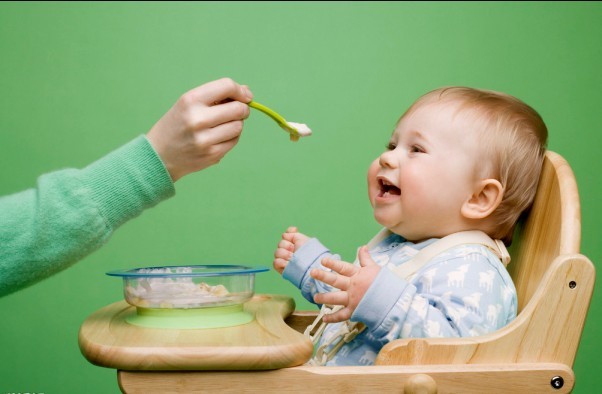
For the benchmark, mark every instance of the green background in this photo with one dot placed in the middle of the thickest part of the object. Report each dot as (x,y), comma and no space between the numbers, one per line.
(78,80)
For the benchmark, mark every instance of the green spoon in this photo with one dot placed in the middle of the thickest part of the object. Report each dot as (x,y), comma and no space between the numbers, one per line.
(295,130)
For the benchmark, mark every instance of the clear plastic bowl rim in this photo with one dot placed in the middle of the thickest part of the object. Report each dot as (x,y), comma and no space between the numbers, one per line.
(216,270)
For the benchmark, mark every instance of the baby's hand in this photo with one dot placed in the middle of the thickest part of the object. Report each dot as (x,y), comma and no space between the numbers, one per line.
(353,281)
(291,241)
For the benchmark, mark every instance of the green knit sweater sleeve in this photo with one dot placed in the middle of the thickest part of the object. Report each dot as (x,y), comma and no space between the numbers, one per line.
(70,213)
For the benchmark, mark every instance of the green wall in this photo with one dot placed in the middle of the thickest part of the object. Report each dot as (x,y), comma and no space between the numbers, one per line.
(80,79)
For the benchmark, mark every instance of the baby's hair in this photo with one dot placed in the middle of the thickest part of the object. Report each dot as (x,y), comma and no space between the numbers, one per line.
(514,138)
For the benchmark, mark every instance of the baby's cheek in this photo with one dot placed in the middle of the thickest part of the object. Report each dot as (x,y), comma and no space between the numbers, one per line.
(372,182)
(373,170)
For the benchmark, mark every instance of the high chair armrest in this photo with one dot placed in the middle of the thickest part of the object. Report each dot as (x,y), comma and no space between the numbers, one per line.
(299,320)
(547,330)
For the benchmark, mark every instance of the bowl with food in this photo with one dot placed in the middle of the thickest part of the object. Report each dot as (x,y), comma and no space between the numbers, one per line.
(197,293)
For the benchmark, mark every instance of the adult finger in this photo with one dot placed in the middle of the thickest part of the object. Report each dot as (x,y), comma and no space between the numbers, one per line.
(220,149)
(219,134)
(219,90)
(208,117)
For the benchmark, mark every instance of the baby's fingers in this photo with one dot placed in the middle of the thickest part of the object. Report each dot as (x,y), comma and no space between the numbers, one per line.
(289,236)
(280,265)
(331,278)
(338,316)
(340,267)
(284,244)
(332,298)
(284,254)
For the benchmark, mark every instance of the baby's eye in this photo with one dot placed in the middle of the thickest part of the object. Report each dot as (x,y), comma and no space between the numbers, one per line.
(416,149)
(390,146)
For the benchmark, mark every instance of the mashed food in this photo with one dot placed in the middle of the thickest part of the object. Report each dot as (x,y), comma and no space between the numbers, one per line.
(181,292)
(302,128)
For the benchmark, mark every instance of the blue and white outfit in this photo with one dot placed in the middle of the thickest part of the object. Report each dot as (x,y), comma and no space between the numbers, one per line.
(465,291)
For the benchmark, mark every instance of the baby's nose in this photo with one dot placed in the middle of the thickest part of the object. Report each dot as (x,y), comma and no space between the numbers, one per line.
(387,160)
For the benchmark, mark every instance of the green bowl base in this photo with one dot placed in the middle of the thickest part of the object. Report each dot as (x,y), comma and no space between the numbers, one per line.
(196,318)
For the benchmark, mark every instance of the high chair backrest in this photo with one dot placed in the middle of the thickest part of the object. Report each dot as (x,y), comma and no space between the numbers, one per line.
(551,228)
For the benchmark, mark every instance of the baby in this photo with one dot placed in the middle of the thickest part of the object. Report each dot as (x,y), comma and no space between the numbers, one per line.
(459,160)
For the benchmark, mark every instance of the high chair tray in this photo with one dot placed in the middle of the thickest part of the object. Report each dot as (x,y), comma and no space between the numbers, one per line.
(267,342)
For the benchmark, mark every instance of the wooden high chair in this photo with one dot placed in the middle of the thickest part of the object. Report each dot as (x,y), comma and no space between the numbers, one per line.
(533,354)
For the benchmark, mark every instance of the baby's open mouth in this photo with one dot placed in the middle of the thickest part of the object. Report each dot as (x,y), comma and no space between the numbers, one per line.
(387,189)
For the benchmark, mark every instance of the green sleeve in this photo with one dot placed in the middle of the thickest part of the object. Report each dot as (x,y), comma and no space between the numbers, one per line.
(70,213)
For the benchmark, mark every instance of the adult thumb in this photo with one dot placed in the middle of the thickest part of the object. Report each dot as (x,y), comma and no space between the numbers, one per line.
(364,256)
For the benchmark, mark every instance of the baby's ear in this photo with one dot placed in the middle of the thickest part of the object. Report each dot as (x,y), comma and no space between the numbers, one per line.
(485,199)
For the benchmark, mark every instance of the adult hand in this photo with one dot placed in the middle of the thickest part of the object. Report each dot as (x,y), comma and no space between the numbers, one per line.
(201,127)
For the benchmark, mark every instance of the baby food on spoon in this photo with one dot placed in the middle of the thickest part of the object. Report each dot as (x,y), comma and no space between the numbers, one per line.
(302,128)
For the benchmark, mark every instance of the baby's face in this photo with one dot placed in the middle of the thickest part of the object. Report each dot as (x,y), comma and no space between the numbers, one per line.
(419,184)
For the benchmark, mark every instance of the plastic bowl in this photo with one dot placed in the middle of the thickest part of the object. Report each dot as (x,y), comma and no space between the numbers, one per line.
(188,287)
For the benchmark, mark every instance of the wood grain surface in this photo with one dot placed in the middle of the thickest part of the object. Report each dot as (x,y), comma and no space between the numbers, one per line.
(267,342)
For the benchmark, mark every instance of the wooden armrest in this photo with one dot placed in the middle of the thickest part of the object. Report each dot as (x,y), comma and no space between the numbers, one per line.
(299,320)
(547,330)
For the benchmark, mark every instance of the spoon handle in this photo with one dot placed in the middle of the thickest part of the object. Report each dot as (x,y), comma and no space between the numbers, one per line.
(269,112)
(277,118)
